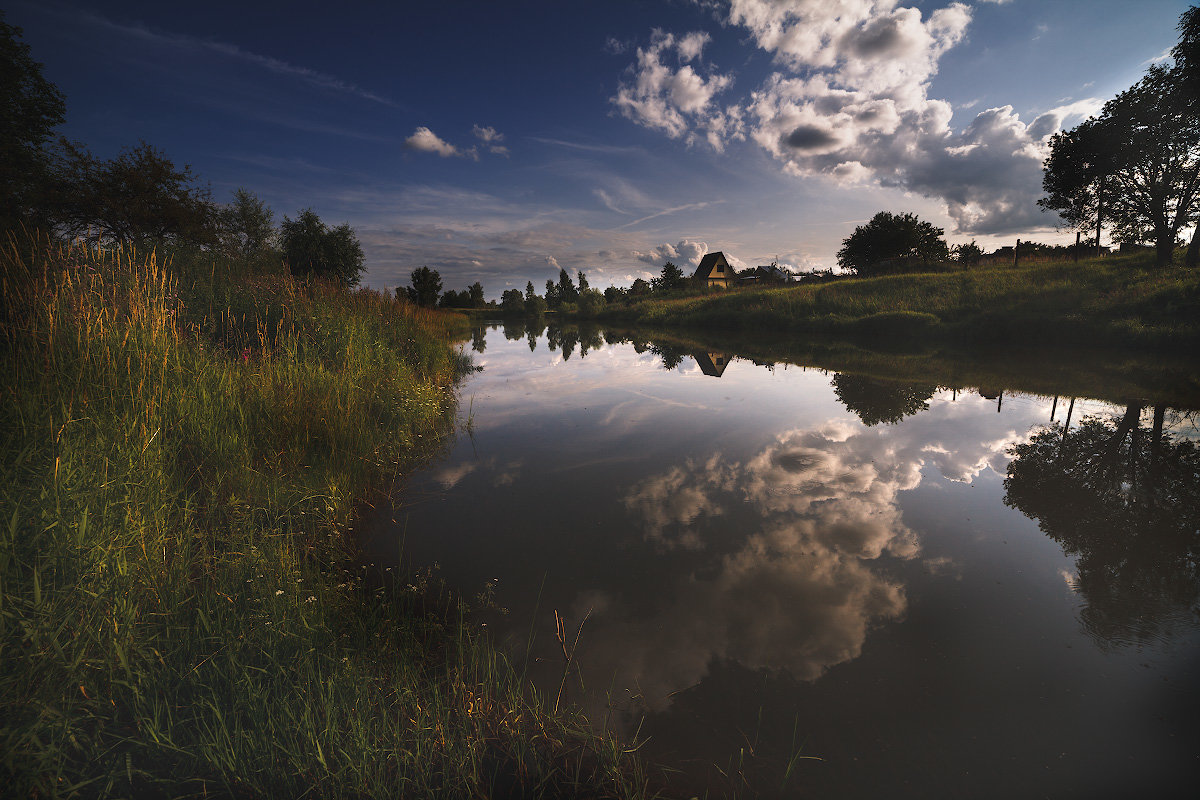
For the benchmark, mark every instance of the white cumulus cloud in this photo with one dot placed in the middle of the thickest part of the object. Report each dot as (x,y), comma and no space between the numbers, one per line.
(848,99)
(426,141)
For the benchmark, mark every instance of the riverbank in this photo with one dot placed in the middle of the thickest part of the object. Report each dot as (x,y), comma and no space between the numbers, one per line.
(183,448)
(1118,300)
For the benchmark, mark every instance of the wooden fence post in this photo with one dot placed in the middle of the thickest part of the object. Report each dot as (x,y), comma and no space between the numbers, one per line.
(1077,235)
(1017,253)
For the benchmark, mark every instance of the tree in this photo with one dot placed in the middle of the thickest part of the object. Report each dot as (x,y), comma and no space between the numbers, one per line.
(591,302)
(138,197)
(567,293)
(671,277)
(1187,59)
(1138,163)
(877,401)
(475,295)
(614,294)
(246,227)
(639,287)
(966,254)
(30,108)
(1125,502)
(553,295)
(891,243)
(583,282)
(426,286)
(312,248)
(453,298)
(512,302)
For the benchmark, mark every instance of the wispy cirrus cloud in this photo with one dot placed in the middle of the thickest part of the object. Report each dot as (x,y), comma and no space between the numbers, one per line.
(182,41)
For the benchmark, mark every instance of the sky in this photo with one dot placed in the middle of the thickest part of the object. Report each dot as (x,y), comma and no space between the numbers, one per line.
(501,141)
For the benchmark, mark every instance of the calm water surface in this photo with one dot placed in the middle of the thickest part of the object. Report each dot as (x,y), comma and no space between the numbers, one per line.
(776,560)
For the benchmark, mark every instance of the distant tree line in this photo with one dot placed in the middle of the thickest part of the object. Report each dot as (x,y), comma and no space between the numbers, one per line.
(139,197)
(567,294)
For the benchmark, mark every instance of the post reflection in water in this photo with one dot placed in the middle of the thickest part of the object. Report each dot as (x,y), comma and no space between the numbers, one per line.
(824,562)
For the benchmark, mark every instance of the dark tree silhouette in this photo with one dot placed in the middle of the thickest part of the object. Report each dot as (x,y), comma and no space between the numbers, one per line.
(892,243)
(1136,164)
(512,301)
(138,197)
(30,108)
(310,247)
(671,277)
(475,295)
(426,286)
(878,401)
(246,228)
(1125,502)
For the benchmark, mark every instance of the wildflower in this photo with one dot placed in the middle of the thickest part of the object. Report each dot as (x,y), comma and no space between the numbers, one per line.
(312,598)
(245,354)
(278,592)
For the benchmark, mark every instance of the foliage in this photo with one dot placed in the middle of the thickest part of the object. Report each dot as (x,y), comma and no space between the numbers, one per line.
(591,301)
(1138,162)
(966,254)
(892,243)
(426,286)
(512,301)
(475,295)
(246,228)
(671,277)
(534,305)
(30,108)
(640,287)
(615,294)
(312,248)
(452,298)
(878,401)
(1125,502)
(137,197)
(583,282)
(567,292)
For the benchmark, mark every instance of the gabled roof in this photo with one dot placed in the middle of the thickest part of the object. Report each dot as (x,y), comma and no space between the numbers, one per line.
(709,261)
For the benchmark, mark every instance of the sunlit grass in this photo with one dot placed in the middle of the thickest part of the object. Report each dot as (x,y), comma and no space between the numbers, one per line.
(182,448)
(1111,301)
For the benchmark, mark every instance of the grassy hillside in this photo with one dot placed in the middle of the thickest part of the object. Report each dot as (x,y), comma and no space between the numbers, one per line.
(181,449)
(1113,301)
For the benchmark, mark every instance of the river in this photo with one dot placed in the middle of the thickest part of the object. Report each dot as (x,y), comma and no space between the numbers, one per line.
(793,580)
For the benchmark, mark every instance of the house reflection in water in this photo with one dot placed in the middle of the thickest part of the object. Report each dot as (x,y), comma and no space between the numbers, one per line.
(713,364)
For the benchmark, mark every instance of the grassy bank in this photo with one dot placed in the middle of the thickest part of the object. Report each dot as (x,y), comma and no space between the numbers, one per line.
(1116,300)
(182,448)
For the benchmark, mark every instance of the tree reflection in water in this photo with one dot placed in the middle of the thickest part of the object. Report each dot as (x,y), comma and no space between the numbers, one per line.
(877,401)
(1124,500)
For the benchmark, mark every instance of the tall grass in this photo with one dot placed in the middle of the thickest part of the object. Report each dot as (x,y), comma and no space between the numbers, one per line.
(1113,301)
(180,452)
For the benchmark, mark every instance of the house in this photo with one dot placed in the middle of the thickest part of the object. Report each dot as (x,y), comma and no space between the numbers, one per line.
(771,275)
(714,270)
(713,364)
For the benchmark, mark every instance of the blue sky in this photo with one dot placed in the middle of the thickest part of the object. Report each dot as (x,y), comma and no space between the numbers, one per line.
(499,141)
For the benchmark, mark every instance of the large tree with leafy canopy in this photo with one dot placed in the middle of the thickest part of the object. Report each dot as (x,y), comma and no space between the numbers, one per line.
(313,248)
(890,243)
(137,197)
(1137,164)
(426,286)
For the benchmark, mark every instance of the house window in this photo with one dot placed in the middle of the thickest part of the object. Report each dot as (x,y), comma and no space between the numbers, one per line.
(720,268)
